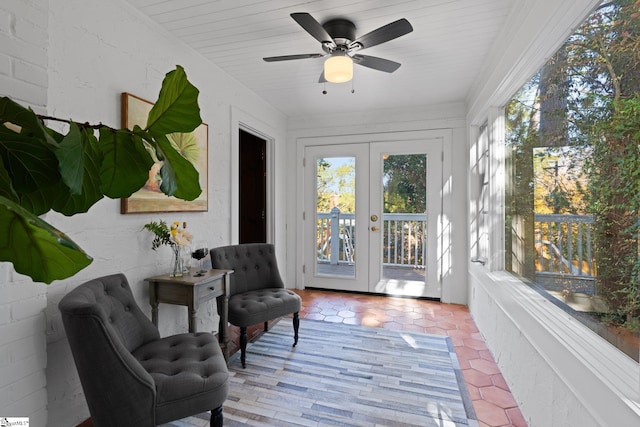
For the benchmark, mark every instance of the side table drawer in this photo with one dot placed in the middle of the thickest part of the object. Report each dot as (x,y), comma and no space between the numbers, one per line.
(207,291)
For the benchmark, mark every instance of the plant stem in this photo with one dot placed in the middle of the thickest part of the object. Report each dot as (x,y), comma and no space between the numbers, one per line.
(85,125)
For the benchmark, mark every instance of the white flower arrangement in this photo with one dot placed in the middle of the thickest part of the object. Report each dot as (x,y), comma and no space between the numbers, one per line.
(176,235)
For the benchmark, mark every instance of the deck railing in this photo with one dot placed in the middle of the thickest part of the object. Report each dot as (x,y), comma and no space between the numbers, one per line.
(340,249)
(563,244)
(404,238)
(564,254)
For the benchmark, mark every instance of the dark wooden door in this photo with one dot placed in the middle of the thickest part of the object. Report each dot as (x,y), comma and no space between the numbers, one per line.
(253,188)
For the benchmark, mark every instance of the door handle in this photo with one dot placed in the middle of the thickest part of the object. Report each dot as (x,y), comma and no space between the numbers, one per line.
(374,228)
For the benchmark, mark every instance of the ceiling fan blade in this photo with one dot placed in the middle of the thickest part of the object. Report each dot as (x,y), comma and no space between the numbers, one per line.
(312,27)
(376,63)
(384,34)
(290,57)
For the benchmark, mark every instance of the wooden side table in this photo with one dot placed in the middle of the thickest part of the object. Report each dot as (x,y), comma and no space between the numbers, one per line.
(191,291)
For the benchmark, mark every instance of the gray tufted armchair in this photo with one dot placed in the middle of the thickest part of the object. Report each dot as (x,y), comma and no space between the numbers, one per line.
(257,292)
(131,376)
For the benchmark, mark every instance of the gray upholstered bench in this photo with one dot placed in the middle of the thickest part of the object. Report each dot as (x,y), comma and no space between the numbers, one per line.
(257,292)
(131,376)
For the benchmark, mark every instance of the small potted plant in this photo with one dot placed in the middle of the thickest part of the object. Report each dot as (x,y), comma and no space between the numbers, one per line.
(175,236)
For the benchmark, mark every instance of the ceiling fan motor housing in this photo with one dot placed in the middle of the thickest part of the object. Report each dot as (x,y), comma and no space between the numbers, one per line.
(343,31)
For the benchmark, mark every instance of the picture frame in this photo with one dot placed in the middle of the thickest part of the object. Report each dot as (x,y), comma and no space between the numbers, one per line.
(150,199)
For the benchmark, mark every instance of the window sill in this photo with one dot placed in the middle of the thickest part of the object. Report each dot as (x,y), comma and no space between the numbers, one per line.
(603,379)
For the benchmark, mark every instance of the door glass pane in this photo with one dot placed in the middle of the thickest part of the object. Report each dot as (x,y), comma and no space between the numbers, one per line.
(335,216)
(404,246)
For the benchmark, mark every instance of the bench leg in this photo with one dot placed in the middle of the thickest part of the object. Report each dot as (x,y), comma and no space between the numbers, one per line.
(243,346)
(216,417)
(296,326)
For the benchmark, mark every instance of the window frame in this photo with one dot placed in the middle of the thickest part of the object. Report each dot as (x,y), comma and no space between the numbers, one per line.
(592,379)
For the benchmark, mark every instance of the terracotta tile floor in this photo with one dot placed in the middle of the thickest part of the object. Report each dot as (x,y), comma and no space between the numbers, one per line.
(493,403)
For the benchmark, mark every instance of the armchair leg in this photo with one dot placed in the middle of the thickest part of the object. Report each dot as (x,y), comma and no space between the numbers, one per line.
(296,326)
(216,417)
(266,326)
(243,346)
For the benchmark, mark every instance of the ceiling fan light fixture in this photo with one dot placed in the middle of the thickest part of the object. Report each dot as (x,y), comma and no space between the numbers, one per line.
(338,69)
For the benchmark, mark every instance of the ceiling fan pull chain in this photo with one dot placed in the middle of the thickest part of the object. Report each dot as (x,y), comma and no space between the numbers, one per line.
(324,90)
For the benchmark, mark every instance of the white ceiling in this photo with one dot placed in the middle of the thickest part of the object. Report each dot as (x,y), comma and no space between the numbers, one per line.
(440,59)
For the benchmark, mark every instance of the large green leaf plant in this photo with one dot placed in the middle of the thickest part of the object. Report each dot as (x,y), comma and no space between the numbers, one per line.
(42,170)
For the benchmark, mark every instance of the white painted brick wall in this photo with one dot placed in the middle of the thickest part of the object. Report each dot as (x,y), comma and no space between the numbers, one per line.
(30,73)
(23,354)
(5,316)
(5,65)
(23,51)
(63,58)
(5,22)
(23,358)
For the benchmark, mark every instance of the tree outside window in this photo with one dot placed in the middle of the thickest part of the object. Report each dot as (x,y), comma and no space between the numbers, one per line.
(573,143)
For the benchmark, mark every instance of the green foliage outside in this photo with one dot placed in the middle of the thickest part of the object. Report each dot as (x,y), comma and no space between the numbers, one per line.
(615,203)
(336,184)
(573,138)
(405,183)
(42,170)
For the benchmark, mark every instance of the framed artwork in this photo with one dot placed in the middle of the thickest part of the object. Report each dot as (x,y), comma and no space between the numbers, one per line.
(193,146)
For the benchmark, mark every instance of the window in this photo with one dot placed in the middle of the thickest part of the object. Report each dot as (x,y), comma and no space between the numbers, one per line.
(573,176)
(479,183)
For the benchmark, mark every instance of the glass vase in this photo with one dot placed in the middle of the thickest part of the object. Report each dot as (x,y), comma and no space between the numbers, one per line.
(176,262)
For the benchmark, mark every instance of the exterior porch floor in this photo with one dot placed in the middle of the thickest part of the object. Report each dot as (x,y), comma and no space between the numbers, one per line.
(388,272)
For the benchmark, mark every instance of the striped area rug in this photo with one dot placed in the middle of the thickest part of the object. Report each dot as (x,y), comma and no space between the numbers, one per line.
(342,375)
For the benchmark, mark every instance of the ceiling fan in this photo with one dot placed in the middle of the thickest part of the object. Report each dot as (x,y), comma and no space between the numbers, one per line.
(337,37)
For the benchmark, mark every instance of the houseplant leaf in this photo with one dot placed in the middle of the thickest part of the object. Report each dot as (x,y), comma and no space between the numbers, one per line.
(70,202)
(32,162)
(32,168)
(36,248)
(25,118)
(179,177)
(6,189)
(41,169)
(176,109)
(70,154)
(42,200)
(125,164)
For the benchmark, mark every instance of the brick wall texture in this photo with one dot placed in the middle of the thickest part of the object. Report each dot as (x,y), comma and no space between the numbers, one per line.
(23,77)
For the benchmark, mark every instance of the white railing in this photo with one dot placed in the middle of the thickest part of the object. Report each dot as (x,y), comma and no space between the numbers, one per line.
(563,244)
(404,238)
(342,225)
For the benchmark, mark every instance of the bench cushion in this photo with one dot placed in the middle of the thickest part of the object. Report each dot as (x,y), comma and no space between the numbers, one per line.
(186,368)
(253,307)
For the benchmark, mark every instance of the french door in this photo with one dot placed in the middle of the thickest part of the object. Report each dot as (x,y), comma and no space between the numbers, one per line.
(371,217)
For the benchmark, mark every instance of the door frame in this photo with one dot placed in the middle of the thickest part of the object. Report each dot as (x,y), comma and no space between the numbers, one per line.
(444,222)
(261,190)
(243,121)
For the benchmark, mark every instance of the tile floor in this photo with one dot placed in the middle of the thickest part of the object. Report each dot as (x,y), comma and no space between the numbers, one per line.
(492,400)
